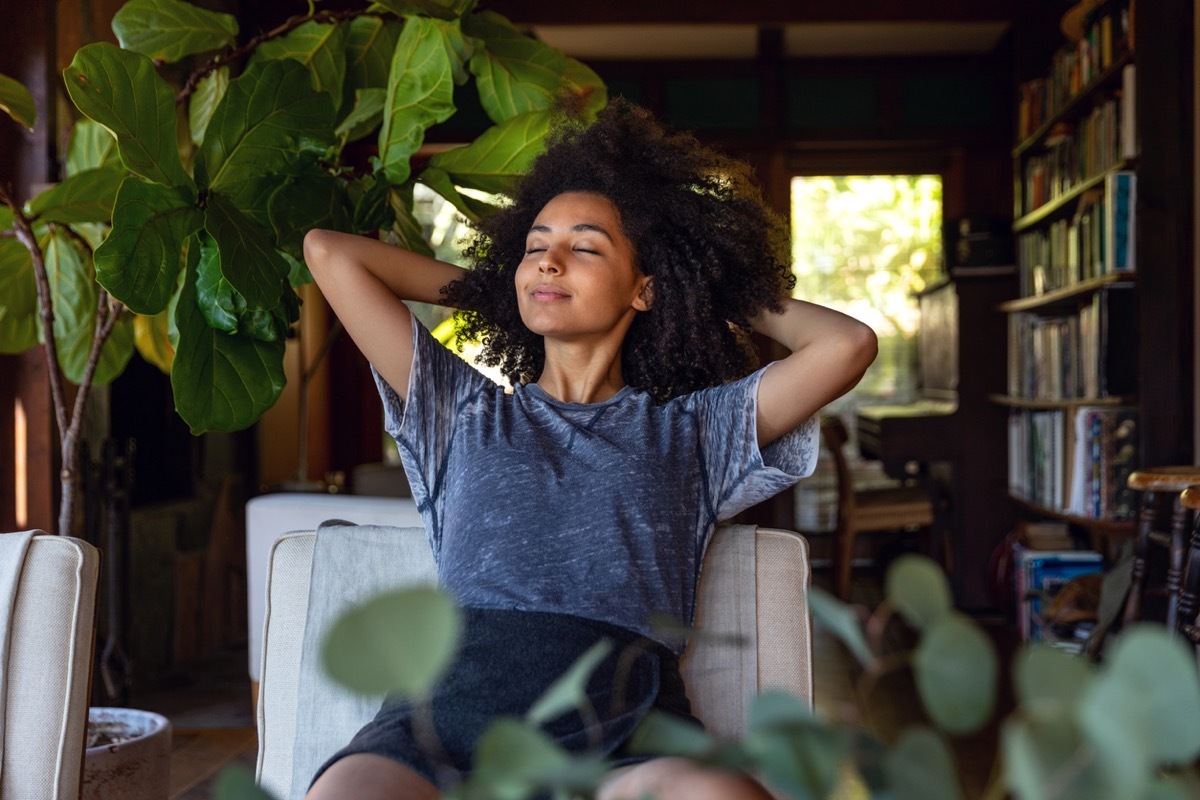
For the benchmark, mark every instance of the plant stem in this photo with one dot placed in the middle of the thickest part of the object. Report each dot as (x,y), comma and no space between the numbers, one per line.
(108,311)
(235,53)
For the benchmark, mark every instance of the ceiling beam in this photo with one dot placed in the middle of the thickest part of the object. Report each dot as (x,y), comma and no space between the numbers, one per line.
(756,12)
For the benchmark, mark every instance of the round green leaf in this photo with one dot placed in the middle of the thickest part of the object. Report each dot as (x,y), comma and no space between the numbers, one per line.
(514,73)
(841,621)
(665,734)
(139,261)
(1048,676)
(1049,758)
(235,782)
(1152,678)
(917,587)
(429,55)
(921,767)
(775,709)
(17,101)
(955,669)
(122,91)
(513,758)
(168,30)
(1175,787)
(400,641)
(269,121)
(804,760)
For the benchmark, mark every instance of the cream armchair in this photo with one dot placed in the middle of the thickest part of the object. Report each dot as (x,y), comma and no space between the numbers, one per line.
(754,584)
(50,620)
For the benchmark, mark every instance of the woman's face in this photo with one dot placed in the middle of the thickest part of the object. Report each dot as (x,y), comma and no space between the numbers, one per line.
(577,279)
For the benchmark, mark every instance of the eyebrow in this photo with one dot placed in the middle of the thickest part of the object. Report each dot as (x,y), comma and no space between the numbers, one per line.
(580,228)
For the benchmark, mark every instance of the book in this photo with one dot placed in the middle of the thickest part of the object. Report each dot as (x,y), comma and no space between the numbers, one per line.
(1039,575)
(1128,132)
(1120,246)
(1103,456)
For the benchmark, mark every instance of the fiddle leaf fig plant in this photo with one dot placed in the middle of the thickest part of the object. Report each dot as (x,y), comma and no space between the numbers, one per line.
(201,158)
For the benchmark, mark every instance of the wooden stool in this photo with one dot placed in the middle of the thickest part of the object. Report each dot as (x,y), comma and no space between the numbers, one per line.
(1160,486)
(1189,598)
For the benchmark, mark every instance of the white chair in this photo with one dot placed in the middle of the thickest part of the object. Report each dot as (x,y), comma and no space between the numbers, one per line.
(47,668)
(754,583)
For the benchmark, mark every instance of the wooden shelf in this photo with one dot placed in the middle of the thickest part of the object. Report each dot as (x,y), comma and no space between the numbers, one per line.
(1077,106)
(1106,527)
(1067,403)
(1049,208)
(1064,294)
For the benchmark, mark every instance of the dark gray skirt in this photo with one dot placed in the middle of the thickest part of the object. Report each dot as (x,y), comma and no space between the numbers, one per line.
(506,660)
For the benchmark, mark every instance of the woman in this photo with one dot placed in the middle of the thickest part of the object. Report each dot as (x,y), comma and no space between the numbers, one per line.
(615,293)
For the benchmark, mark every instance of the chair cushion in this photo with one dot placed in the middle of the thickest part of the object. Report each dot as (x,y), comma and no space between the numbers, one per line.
(49,663)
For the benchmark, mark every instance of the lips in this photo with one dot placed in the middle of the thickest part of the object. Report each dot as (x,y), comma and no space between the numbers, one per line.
(548,294)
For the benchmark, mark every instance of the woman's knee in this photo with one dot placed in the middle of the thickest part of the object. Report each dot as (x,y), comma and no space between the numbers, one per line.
(680,779)
(365,776)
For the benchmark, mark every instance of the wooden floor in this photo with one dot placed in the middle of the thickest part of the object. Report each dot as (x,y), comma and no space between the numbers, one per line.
(213,722)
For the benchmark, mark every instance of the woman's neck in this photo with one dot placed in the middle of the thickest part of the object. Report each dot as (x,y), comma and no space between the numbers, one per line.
(581,374)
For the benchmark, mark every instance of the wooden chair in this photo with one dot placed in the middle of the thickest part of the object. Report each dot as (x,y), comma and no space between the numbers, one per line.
(867,510)
(1164,530)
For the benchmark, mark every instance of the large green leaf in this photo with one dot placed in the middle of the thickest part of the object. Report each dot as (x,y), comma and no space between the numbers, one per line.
(917,587)
(18,298)
(369,197)
(441,182)
(86,196)
(225,309)
(513,759)
(370,42)
(204,101)
(235,782)
(441,9)
(401,641)
(364,116)
(168,30)
(406,230)
(269,121)
(89,146)
(248,257)
(139,261)
(320,47)
(793,750)
(17,102)
(314,199)
(152,338)
(955,668)
(221,381)
(123,92)
(1047,677)
(501,154)
(514,73)
(591,95)
(74,298)
(429,57)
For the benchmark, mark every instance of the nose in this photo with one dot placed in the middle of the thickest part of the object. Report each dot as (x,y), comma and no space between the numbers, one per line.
(547,265)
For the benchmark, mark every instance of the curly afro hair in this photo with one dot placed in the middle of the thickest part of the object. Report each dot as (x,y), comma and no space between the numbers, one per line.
(715,253)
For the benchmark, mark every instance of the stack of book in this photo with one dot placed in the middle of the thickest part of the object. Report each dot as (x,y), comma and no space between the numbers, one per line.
(1042,569)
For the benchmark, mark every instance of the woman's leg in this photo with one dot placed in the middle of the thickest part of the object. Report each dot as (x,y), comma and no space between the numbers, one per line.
(365,776)
(679,779)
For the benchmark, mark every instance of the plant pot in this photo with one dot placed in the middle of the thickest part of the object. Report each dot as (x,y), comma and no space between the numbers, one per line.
(133,759)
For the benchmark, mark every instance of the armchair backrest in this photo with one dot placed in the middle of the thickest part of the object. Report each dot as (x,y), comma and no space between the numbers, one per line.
(753,585)
(48,668)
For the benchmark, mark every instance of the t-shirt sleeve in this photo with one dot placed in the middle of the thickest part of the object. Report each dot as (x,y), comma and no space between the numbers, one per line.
(422,422)
(737,472)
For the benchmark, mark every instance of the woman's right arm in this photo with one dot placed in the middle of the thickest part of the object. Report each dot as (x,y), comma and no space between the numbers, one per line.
(365,281)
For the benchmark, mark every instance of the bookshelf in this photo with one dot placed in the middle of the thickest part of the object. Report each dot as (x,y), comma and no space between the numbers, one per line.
(1072,394)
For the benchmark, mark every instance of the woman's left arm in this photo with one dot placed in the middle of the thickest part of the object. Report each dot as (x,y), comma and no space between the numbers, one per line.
(830,353)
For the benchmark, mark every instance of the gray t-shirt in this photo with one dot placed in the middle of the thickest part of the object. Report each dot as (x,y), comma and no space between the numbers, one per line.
(601,510)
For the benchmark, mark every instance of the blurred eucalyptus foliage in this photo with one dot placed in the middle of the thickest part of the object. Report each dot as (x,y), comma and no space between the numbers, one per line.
(200,163)
(1128,729)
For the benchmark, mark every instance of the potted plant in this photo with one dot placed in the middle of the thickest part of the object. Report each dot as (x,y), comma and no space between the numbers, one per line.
(1126,728)
(201,159)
